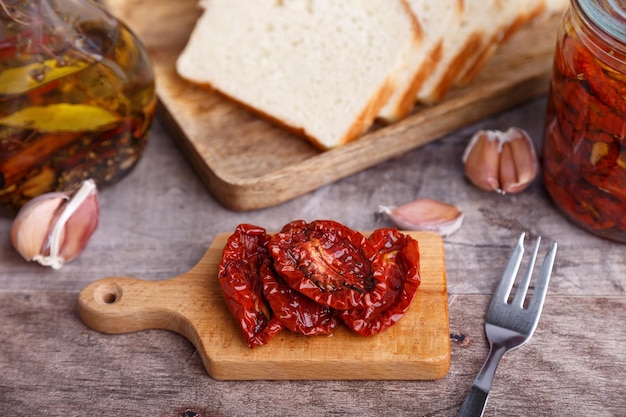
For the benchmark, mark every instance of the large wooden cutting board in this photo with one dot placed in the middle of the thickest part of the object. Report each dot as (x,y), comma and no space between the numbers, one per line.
(416,348)
(249,163)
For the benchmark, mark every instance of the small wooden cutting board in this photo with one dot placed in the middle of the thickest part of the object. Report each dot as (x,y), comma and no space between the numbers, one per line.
(416,348)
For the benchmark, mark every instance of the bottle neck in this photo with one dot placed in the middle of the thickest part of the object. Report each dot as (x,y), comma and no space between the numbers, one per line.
(601,26)
(42,29)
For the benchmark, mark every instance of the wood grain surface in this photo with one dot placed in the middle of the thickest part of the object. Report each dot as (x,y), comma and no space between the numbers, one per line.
(158,223)
(249,163)
(417,347)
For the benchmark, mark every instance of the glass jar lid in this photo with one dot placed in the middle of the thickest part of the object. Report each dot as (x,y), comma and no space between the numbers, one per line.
(609,15)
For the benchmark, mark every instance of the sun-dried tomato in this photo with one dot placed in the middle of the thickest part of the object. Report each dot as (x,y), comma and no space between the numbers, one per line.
(245,251)
(398,264)
(328,262)
(312,276)
(295,311)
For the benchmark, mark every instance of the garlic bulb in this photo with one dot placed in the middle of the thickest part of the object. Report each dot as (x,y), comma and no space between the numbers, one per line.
(505,162)
(54,228)
(427,215)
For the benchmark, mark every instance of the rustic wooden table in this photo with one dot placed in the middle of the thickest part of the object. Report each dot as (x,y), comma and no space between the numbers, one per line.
(158,222)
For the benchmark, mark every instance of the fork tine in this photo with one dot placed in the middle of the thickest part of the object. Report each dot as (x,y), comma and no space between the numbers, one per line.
(508,277)
(522,289)
(541,287)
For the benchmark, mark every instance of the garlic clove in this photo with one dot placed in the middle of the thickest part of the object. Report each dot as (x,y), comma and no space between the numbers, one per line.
(30,229)
(54,228)
(482,161)
(505,162)
(508,173)
(426,215)
(525,161)
(79,227)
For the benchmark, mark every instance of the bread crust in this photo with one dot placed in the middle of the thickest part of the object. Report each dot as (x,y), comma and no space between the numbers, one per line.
(367,116)
(404,105)
(397,107)
(470,48)
(361,124)
(409,99)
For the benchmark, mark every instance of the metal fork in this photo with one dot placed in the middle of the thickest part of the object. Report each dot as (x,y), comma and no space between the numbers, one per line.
(509,325)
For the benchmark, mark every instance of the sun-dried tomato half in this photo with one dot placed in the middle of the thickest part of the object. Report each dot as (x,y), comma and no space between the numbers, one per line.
(398,264)
(245,251)
(328,262)
(295,311)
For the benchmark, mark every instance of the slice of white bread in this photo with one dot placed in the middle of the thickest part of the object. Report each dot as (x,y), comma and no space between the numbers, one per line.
(321,68)
(508,16)
(435,18)
(484,26)
(459,43)
(528,10)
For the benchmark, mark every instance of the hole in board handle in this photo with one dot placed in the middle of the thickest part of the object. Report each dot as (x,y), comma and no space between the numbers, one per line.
(107,293)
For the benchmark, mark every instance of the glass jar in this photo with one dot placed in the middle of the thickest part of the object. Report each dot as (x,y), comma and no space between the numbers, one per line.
(584,148)
(77,98)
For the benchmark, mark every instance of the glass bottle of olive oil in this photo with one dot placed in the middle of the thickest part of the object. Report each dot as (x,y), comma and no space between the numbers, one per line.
(77,98)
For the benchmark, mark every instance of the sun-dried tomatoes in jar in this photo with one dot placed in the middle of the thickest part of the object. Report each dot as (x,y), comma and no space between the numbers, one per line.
(328,262)
(584,149)
(398,264)
(239,277)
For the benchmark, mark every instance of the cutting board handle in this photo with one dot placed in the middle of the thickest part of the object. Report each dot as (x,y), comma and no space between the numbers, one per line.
(123,305)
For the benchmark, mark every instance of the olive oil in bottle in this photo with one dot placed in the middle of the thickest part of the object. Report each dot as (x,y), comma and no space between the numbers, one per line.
(77,98)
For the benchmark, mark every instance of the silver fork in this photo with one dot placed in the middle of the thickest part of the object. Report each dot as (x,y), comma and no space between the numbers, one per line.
(509,325)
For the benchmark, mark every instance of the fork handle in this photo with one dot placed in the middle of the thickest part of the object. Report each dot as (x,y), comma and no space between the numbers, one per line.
(474,404)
